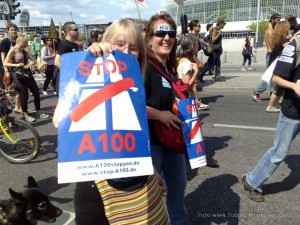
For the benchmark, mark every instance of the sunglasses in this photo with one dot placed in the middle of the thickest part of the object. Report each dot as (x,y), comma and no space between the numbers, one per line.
(162,33)
(76,29)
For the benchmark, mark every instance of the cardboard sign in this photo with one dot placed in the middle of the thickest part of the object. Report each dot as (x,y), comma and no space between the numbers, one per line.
(103,128)
(192,132)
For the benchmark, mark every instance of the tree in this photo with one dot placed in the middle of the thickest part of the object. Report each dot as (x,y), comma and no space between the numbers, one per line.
(262,27)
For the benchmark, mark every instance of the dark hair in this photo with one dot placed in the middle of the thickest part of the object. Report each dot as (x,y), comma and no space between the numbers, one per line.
(9,25)
(209,25)
(35,35)
(187,43)
(192,24)
(67,26)
(172,61)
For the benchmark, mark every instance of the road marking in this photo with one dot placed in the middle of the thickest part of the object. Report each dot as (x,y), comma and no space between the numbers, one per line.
(245,127)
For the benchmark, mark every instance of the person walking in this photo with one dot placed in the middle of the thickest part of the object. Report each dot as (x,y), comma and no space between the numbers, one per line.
(287,75)
(36,49)
(247,54)
(65,46)
(48,55)
(161,52)
(216,44)
(18,57)
(263,86)
(208,66)
(6,44)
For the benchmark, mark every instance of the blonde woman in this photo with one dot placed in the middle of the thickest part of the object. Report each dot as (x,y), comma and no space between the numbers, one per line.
(18,57)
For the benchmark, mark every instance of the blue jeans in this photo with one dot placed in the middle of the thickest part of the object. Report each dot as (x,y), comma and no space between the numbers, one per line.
(286,131)
(207,66)
(217,63)
(263,86)
(172,165)
(247,57)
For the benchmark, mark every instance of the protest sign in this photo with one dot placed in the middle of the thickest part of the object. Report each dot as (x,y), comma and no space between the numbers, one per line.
(103,128)
(191,130)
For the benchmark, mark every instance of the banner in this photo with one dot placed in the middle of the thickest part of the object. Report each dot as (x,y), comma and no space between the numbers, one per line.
(103,128)
(192,132)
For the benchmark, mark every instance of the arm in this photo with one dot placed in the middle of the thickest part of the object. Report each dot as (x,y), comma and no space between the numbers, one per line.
(190,77)
(268,39)
(166,117)
(7,61)
(57,60)
(286,84)
(32,60)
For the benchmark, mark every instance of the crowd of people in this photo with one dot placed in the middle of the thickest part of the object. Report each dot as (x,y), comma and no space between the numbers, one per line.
(154,44)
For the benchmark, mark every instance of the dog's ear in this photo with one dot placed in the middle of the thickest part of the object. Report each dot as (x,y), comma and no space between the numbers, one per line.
(18,197)
(32,183)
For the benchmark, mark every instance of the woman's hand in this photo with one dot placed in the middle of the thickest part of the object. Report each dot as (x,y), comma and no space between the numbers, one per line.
(21,65)
(103,47)
(27,66)
(170,120)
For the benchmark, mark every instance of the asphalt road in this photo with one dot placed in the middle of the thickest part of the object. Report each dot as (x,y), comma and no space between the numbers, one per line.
(233,134)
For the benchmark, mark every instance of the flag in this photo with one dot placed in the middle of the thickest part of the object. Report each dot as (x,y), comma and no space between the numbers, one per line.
(179,2)
(143,3)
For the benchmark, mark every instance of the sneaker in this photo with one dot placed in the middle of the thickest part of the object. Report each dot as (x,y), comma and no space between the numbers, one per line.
(256,97)
(272,109)
(42,116)
(243,69)
(220,79)
(253,194)
(250,69)
(29,119)
(45,92)
(212,163)
(202,107)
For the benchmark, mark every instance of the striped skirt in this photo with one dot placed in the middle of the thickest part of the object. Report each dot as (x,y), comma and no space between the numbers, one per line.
(142,206)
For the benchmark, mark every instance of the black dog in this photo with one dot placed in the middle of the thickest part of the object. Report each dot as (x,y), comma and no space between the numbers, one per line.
(27,207)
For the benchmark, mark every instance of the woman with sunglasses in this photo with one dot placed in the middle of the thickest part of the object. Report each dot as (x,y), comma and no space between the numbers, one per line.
(161,51)
(48,55)
(125,36)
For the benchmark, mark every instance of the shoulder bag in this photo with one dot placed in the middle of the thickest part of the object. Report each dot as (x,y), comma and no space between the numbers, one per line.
(172,139)
(21,73)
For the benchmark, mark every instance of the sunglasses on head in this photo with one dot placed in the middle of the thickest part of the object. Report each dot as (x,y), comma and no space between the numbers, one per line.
(163,33)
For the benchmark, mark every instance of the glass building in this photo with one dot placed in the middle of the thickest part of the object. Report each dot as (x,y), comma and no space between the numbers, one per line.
(207,11)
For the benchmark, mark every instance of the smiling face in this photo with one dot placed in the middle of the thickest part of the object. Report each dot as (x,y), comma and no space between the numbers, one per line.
(161,44)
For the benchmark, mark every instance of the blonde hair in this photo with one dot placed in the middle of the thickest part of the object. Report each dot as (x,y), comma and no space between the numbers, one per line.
(118,28)
(21,40)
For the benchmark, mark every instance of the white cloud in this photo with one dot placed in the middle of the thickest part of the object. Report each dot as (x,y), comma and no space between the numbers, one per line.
(84,11)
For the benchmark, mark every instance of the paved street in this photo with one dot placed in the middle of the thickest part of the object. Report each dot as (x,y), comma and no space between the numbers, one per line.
(235,134)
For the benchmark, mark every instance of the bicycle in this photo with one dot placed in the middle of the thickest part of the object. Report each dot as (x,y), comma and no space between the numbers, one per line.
(20,142)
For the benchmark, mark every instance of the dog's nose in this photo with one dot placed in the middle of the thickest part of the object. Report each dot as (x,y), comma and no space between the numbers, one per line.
(58,212)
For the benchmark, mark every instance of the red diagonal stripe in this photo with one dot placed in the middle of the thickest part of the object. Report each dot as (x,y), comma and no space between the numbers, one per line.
(100,96)
(195,129)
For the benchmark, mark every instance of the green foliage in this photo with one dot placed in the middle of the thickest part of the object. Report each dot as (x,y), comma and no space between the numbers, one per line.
(30,36)
(52,30)
(223,15)
(262,27)
(82,36)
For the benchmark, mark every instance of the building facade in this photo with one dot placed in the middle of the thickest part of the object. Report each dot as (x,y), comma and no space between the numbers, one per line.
(208,11)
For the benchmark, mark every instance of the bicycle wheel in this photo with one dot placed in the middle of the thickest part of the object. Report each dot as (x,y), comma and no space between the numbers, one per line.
(20,142)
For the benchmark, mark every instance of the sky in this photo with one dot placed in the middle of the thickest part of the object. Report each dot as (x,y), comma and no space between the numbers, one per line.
(84,11)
